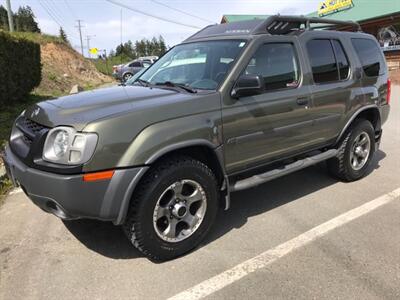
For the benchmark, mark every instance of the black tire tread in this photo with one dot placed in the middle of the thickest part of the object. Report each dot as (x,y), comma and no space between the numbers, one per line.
(337,165)
(132,227)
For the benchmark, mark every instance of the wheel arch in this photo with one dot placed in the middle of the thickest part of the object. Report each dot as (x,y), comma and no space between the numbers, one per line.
(127,72)
(370,113)
(202,150)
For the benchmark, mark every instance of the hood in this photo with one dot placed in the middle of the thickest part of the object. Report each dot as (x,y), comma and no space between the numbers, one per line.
(79,109)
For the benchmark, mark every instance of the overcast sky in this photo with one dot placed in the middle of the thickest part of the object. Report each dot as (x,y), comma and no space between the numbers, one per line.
(102,18)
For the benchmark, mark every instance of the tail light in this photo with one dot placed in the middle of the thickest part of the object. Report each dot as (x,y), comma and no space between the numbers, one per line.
(389,91)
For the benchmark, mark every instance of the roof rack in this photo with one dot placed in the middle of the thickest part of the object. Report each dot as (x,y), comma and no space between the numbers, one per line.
(285,24)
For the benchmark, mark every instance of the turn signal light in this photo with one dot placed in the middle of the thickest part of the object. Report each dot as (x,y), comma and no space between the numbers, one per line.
(104,175)
(389,91)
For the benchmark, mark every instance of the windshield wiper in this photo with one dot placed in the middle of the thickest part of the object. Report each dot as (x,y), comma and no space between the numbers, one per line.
(142,82)
(177,85)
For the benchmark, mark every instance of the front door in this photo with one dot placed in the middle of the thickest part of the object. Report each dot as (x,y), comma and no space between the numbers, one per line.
(258,129)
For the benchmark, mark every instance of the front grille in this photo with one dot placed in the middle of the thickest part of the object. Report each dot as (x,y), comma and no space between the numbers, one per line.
(30,139)
(27,140)
(32,126)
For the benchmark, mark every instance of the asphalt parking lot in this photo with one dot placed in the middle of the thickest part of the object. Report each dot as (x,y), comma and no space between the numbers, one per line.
(42,257)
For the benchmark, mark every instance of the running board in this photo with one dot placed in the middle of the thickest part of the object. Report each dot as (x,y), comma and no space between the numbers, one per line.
(290,168)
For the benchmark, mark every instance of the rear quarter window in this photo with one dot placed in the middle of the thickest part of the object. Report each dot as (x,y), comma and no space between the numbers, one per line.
(370,56)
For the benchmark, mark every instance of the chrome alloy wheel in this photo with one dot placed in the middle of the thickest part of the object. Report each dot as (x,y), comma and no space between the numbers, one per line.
(180,210)
(360,151)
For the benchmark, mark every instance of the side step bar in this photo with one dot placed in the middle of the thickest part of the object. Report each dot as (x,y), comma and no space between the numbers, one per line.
(290,168)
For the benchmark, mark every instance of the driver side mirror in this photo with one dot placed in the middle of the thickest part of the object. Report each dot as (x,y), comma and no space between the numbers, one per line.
(248,85)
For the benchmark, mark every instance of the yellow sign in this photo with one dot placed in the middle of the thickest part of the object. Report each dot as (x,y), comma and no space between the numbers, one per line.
(93,51)
(331,6)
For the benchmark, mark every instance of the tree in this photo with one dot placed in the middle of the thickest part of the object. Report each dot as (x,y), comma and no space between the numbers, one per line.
(25,20)
(144,47)
(63,35)
(162,47)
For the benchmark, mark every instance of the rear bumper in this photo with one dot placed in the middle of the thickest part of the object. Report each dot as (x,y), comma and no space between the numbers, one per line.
(69,197)
(116,75)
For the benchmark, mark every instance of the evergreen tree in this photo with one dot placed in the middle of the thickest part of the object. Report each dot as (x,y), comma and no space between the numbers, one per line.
(162,48)
(63,35)
(25,20)
(144,47)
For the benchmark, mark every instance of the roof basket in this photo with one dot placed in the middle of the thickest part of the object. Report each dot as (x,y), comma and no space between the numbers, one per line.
(285,24)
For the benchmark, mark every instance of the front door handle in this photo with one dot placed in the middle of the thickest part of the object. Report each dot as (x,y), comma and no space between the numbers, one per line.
(302,101)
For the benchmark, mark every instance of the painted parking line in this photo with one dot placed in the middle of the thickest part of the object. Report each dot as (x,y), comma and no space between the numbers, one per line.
(266,258)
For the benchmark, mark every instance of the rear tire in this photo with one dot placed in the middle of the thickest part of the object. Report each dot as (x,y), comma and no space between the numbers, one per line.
(155,208)
(355,152)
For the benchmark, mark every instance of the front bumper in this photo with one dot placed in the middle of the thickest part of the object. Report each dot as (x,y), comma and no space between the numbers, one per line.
(69,197)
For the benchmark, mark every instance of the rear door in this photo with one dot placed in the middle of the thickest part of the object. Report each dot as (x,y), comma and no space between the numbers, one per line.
(276,123)
(335,86)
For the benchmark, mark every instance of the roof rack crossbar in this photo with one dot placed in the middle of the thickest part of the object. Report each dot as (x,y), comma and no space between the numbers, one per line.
(284,24)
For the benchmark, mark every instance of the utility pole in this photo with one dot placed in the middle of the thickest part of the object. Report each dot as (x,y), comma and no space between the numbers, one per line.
(80,34)
(10,16)
(105,56)
(88,38)
(121,37)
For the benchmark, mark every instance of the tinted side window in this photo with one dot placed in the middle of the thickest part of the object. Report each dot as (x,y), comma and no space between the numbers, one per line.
(341,59)
(370,56)
(135,64)
(277,64)
(322,59)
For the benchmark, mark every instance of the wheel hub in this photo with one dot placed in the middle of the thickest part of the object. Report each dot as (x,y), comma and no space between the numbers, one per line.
(179,210)
(360,151)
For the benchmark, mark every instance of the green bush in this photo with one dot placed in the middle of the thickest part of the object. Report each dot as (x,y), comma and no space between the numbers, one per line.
(20,68)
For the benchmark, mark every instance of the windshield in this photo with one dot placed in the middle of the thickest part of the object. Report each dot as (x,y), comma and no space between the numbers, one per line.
(201,65)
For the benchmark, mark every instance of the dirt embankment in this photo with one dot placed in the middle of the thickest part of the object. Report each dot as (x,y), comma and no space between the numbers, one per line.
(63,67)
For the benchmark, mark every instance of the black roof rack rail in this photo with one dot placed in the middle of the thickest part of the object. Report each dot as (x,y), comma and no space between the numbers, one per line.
(285,24)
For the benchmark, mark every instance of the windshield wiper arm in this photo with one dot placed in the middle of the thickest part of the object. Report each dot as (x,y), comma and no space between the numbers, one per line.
(178,85)
(142,82)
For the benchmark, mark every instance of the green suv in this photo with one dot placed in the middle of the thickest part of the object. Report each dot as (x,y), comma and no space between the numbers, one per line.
(232,107)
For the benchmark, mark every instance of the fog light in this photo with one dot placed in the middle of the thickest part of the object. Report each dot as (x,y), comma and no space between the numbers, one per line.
(75,156)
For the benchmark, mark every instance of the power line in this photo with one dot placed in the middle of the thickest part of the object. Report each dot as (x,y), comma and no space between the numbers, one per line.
(48,12)
(151,15)
(181,11)
(52,16)
(53,10)
(70,9)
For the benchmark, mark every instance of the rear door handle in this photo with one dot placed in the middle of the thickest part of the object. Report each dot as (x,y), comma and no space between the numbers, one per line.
(302,101)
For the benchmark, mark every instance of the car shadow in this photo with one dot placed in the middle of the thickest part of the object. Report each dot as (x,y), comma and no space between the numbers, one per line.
(109,240)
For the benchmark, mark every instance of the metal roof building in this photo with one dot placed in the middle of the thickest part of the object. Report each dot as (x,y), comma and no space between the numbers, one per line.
(380,18)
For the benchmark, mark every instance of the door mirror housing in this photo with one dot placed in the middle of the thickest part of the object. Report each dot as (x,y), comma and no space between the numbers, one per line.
(248,85)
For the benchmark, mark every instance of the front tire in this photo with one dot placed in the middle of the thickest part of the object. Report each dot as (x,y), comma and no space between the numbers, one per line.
(127,76)
(355,152)
(173,208)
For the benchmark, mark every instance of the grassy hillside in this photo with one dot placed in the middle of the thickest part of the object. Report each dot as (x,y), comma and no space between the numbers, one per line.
(39,38)
(62,68)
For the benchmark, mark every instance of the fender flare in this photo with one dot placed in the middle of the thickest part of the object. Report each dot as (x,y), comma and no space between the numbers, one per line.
(176,146)
(181,145)
(354,116)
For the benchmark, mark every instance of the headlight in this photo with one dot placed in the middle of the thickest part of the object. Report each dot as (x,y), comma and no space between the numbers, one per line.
(64,145)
